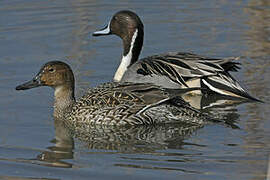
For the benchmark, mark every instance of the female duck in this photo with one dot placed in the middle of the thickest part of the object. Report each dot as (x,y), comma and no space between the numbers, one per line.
(171,70)
(113,103)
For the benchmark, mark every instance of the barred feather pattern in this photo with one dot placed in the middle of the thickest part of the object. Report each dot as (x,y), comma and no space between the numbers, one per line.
(180,67)
(132,104)
(179,70)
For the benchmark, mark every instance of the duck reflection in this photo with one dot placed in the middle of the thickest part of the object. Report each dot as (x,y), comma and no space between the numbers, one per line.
(126,139)
(134,139)
(62,150)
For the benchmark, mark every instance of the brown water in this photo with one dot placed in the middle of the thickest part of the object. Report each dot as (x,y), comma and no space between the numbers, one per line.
(33,32)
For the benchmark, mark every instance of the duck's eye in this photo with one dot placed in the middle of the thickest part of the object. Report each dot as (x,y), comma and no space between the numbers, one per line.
(51,70)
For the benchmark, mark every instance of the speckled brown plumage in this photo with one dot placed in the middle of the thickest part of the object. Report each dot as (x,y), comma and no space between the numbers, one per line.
(129,103)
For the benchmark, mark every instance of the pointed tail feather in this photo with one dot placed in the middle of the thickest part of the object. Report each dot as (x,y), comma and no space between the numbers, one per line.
(227,85)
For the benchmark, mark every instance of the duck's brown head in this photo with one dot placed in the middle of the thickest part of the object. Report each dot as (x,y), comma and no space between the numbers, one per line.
(53,74)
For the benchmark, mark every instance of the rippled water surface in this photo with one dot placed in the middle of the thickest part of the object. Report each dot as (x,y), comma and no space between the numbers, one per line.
(33,145)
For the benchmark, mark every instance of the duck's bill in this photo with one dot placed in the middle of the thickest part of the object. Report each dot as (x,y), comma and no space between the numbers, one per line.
(103,32)
(29,85)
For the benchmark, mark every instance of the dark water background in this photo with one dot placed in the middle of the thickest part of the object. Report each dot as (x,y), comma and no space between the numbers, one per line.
(33,32)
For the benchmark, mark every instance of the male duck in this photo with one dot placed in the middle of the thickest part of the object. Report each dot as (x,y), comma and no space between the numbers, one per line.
(171,70)
(113,103)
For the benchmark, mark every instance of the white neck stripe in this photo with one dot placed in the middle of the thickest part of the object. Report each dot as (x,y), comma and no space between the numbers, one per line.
(126,60)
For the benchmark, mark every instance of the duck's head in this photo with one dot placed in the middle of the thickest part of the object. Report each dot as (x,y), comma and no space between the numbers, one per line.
(53,74)
(128,26)
(123,24)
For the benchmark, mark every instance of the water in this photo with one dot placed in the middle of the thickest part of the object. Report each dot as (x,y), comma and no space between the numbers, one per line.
(33,32)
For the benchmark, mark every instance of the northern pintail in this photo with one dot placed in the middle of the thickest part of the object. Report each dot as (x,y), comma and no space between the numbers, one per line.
(113,103)
(170,70)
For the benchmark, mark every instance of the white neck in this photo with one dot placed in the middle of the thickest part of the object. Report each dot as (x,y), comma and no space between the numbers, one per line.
(125,62)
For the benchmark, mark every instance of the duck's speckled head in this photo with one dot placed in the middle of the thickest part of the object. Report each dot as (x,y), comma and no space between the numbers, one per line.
(53,74)
(123,23)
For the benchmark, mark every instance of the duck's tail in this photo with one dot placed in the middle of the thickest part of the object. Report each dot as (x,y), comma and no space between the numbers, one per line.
(225,84)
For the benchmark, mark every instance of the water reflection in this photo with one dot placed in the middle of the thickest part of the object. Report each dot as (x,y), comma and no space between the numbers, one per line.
(128,139)
(134,139)
(62,150)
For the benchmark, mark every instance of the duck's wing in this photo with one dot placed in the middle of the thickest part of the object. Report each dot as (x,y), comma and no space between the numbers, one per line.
(153,104)
(180,67)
